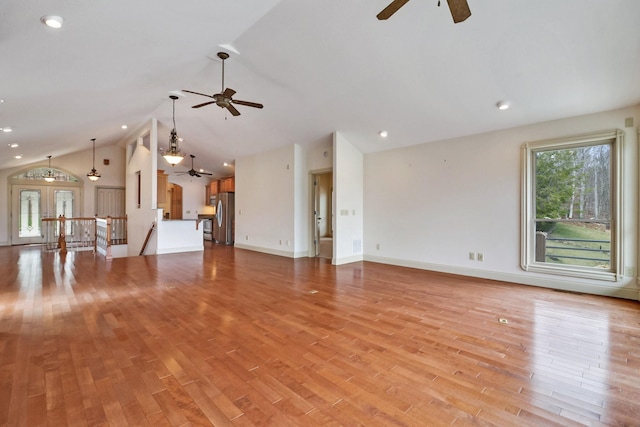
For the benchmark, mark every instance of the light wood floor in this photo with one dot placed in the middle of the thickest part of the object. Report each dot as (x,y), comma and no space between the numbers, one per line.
(233,337)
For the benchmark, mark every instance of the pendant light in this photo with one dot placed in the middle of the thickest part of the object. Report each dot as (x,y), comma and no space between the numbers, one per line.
(174,155)
(94,175)
(49,177)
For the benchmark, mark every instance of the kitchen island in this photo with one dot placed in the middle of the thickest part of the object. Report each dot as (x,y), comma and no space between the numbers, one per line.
(178,235)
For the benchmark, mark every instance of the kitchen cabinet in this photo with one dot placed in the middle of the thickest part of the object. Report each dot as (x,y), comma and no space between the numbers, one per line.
(163,181)
(223,185)
(228,185)
(214,188)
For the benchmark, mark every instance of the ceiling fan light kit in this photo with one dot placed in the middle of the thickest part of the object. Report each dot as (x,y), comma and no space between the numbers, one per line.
(224,99)
(173,155)
(192,171)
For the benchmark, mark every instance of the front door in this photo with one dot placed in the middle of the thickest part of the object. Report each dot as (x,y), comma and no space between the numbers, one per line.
(31,203)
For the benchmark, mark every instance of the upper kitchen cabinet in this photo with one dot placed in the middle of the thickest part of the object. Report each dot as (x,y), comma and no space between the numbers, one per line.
(214,188)
(227,185)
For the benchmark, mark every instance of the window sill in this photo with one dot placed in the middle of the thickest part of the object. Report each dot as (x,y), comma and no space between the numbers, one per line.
(578,273)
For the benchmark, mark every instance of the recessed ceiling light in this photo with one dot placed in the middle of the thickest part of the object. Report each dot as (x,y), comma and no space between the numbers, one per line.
(502,105)
(7,130)
(123,126)
(52,21)
(1,101)
(17,156)
(13,145)
(180,139)
(383,133)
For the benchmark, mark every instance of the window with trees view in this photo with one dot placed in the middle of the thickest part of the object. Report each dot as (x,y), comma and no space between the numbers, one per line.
(571,206)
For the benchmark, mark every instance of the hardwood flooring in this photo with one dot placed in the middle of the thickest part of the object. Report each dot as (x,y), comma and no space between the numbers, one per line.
(229,337)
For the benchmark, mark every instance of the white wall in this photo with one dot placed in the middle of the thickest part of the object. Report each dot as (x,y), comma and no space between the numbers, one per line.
(78,164)
(264,202)
(348,175)
(141,217)
(434,203)
(301,215)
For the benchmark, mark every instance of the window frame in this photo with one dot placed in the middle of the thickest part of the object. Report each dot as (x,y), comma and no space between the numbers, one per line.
(528,214)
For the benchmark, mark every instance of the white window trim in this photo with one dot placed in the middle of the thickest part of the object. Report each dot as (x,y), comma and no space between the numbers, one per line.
(528,226)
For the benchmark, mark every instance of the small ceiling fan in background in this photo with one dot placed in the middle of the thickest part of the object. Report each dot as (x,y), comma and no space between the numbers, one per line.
(192,171)
(224,98)
(459,9)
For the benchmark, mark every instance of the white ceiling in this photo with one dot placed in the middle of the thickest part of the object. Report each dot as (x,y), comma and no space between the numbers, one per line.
(318,66)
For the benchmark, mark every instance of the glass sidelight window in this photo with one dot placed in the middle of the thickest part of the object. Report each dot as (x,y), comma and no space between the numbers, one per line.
(29,213)
(63,200)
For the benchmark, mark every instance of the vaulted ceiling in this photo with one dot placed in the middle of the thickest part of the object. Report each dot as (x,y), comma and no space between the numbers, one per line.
(318,66)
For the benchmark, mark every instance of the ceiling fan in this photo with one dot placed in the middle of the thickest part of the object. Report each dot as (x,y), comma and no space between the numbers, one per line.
(459,9)
(192,171)
(224,99)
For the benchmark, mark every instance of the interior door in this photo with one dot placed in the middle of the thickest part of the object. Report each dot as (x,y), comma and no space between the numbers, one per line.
(31,203)
(110,201)
(176,202)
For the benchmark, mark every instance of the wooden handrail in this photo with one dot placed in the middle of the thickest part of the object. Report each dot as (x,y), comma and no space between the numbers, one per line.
(146,240)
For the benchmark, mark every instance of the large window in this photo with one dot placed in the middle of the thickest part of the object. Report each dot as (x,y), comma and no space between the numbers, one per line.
(571,206)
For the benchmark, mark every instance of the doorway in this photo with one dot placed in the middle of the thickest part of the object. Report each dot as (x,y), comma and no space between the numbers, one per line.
(323,214)
(31,203)
(33,199)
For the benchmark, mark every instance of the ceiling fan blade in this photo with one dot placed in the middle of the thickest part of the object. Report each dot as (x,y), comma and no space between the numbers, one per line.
(205,173)
(247,103)
(233,110)
(203,104)
(197,93)
(391,9)
(228,92)
(459,10)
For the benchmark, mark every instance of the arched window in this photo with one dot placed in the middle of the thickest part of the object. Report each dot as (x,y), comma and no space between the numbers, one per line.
(38,174)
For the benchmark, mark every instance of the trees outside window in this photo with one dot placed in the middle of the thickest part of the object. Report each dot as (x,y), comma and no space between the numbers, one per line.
(571,199)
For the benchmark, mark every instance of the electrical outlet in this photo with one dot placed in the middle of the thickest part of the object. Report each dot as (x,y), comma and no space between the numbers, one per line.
(472,256)
(480,256)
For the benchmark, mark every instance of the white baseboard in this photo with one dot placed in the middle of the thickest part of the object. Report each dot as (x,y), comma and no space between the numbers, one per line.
(180,249)
(347,259)
(607,289)
(270,251)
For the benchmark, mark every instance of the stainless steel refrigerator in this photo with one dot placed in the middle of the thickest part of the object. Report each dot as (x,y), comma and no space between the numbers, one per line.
(223,224)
